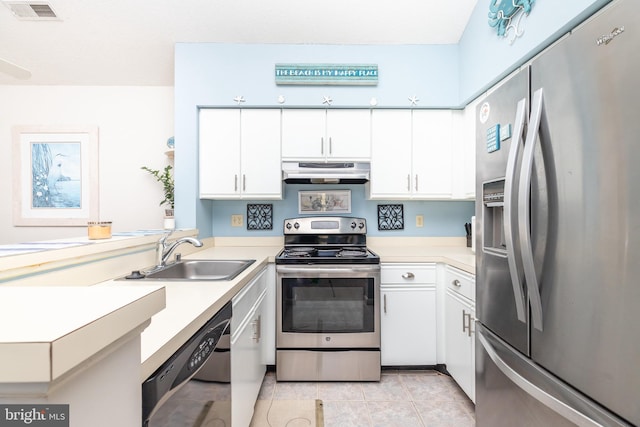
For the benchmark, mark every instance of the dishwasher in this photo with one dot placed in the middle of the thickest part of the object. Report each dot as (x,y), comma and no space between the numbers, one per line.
(177,394)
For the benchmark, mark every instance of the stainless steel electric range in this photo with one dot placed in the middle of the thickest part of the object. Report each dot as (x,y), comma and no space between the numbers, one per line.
(328,296)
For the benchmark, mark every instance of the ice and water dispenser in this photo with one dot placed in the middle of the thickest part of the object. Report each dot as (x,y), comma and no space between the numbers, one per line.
(493,217)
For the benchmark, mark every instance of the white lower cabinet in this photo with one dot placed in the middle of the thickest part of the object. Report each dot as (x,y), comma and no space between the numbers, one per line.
(460,329)
(247,364)
(269,318)
(408,314)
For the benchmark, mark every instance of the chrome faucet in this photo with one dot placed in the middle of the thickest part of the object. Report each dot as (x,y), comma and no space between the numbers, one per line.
(164,249)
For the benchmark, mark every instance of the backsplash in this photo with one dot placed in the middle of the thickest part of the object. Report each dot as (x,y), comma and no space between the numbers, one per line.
(441,218)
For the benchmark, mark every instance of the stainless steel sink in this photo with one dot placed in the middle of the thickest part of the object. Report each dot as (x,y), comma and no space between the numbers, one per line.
(202,269)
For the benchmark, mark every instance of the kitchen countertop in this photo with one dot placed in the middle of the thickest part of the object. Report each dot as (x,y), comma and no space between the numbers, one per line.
(57,330)
(190,304)
(420,250)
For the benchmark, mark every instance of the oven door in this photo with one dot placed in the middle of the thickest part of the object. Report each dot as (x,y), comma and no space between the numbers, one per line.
(328,306)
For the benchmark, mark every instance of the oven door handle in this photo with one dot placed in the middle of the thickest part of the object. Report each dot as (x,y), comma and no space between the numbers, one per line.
(328,270)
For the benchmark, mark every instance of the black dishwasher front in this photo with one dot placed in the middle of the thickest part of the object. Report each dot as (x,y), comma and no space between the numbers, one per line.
(171,397)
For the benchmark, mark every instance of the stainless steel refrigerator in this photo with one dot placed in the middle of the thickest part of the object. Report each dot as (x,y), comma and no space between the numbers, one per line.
(558,233)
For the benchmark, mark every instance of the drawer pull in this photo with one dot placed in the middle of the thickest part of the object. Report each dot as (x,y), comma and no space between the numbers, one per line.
(408,275)
(456,283)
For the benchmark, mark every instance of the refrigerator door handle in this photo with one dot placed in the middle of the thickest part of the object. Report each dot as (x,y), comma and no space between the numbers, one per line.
(510,210)
(524,210)
(535,392)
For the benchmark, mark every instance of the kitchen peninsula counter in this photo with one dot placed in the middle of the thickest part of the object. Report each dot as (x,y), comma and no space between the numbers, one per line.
(57,331)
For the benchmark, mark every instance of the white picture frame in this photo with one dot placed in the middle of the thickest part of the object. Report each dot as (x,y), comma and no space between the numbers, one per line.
(56,175)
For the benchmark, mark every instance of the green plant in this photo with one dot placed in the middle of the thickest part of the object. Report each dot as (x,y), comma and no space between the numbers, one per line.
(166,179)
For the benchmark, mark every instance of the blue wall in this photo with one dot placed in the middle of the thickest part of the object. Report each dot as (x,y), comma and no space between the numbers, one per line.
(440,218)
(441,76)
(486,58)
(209,74)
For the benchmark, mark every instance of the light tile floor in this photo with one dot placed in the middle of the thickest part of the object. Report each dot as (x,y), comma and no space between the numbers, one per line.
(401,398)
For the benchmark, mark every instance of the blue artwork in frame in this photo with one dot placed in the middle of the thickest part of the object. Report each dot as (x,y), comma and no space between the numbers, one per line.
(56,171)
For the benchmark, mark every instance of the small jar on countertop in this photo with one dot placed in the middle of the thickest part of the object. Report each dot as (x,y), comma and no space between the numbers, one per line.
(99,230)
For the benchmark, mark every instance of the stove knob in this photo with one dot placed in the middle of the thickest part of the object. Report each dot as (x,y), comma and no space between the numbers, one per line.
(288,226)
(296,225)
(353,225)
(361,226)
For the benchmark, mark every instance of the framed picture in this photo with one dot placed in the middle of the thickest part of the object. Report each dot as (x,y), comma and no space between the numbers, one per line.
(337,201)
(56,175)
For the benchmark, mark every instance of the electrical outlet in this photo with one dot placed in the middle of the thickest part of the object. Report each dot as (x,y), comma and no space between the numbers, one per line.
(419,221)
(236,220)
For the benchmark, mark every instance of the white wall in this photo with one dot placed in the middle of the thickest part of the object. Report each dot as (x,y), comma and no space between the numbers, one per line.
(134,124)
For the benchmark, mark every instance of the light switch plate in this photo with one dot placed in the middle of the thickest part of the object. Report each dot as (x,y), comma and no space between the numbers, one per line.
(236,220)
(419,221)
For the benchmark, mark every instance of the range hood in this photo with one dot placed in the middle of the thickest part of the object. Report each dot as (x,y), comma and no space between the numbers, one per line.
(325,173)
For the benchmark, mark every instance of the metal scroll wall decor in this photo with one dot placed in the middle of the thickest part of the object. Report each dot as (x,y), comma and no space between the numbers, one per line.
(505,17)
(390,217)
(260,216)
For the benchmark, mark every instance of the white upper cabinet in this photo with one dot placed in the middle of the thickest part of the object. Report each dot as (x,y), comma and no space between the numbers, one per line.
(349,134)
(240,154)
(390,154)
(303,133)
(432,163)
(465,145)
(326,135)
(412,154)
(260,158)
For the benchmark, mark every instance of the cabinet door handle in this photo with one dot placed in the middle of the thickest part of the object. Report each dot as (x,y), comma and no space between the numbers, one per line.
(409,182)
(244,182)
(416,182)
(322,145)
(256,324)
(456,283)
(235,182)
(466,322)
(384,298)
(330,146)
(408,275)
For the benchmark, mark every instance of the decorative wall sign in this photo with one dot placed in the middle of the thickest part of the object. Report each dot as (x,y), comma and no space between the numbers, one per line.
(505,16)
(336,201)
(260,216)
(390,217)
(326,74)
(56,170)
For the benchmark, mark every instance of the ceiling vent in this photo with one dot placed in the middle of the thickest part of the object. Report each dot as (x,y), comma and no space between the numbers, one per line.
(32,10)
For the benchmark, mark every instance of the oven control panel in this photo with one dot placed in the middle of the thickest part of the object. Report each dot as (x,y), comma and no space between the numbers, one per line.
(325,225)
